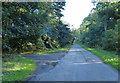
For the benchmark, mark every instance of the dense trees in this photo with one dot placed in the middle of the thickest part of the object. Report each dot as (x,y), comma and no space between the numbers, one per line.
(33,25)
(101,27)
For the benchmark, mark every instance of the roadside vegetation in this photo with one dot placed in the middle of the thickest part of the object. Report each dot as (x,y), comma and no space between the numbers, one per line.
(109,57)
(101,28)
(31,28)
(48,51)
(17,68)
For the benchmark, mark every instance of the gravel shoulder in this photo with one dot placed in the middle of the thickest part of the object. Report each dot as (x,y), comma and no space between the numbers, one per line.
(44,62)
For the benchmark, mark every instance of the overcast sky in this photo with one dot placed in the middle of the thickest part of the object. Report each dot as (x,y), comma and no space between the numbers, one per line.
(75,11)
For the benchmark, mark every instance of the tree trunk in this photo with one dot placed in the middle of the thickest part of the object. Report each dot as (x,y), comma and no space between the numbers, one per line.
(105,26)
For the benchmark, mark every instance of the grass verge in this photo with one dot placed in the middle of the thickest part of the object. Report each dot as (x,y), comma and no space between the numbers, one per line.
(17,69)
(107,56)
(48,51)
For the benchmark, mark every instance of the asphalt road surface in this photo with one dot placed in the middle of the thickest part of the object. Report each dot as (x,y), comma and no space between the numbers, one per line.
(79,65)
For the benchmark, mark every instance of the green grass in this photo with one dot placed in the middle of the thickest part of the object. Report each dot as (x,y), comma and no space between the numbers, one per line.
(107,56)
(17,68)
(48,51)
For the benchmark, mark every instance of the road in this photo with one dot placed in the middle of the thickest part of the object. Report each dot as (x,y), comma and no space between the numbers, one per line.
(80,65)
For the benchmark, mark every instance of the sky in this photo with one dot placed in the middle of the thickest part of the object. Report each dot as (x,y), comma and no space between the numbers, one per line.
(75,11)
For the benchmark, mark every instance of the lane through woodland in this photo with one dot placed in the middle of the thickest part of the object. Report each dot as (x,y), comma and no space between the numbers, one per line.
(79,65)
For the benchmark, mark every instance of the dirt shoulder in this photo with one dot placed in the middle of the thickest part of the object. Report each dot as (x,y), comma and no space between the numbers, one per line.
(44,62)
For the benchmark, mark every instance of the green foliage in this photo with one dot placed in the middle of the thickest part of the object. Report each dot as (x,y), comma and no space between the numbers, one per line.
(101,27)
(110,40)
(17,68)
(33,25)
(19,25)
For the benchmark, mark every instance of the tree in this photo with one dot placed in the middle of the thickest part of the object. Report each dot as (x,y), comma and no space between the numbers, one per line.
(29,25)
(100,28)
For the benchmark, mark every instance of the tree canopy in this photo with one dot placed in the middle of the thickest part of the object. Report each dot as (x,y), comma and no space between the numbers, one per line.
(28,25)
(101,27)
